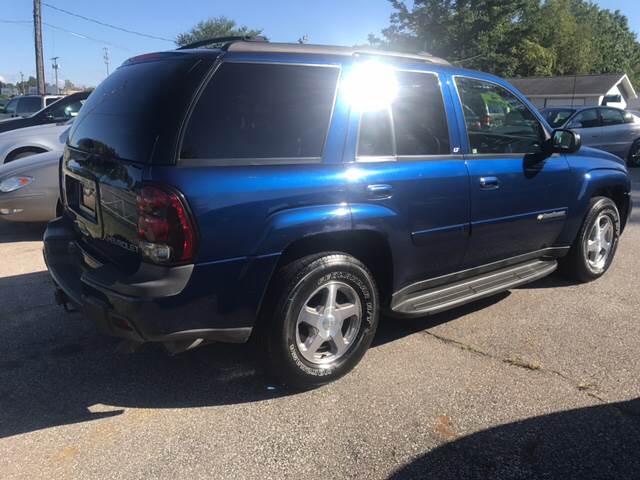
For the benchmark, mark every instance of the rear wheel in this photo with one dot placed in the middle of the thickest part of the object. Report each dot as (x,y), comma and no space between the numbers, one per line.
(634,154)
(596,244)
(326,316)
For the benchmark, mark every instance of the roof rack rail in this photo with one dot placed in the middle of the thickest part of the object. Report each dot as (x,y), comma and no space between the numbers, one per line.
(225,40)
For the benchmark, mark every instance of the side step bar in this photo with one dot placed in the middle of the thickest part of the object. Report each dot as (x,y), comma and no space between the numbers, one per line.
(444,297)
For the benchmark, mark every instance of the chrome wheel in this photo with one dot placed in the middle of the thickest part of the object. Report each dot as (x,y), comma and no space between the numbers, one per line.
(328,323)
(599,243)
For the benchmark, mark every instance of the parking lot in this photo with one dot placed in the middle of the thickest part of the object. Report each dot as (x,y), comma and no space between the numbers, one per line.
(539,382)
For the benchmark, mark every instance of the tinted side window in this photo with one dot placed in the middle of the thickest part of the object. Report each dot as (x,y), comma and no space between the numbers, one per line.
(49,101)
(586,119)
(611,117)
(420,122)
(497,122)
(262,111)
(29,105)
(375,138)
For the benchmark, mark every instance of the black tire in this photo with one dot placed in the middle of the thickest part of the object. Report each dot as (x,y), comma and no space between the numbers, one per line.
(298,281)
(576,265)
(633,160)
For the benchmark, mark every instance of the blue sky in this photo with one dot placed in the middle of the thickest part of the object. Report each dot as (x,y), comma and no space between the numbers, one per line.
(342,22)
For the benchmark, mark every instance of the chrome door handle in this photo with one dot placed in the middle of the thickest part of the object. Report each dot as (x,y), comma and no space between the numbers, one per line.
(379,191)
(489,183)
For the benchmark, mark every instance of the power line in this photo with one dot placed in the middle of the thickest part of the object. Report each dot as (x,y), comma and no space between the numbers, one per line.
(115,27)
(86,37)
(71,32)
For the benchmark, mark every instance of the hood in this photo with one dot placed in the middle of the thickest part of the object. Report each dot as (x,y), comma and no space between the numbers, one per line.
(38,130)
(27,164)
(600,155)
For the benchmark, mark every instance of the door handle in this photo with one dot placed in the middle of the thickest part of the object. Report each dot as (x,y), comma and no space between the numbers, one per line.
(379,191)
(489,183)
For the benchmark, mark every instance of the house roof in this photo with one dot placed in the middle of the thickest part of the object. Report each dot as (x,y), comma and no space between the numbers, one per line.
(573,85)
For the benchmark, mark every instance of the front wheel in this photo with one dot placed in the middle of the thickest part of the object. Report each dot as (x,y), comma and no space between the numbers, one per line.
(324,321)
(634,154)
(594,248)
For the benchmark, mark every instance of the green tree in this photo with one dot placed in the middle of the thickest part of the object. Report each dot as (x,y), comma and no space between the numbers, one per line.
(516,37)
(214,27)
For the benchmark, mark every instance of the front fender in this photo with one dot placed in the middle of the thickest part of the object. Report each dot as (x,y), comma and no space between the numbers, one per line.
(592,183)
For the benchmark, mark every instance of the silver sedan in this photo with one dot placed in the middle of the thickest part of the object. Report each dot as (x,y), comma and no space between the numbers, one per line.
(29,188)
(23,142)
(606,128)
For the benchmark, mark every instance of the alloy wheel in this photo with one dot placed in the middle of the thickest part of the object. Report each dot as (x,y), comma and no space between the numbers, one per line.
(328,323)
(599,243)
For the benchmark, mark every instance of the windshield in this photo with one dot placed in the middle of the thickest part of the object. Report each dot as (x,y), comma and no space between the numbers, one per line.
(556,117)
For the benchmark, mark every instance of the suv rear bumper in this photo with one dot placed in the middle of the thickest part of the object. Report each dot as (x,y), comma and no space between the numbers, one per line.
(151,304)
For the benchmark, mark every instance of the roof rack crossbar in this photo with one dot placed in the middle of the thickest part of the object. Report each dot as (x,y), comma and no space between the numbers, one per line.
(224,40)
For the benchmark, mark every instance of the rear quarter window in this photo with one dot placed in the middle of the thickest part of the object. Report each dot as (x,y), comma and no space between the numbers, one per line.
(262,111)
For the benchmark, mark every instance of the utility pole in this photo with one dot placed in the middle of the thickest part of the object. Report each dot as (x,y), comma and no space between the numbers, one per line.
(37,27)
(55,67)
(106,58)
(22,83)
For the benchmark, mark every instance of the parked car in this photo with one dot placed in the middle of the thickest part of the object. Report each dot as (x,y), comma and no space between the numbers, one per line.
(3,103)
(28,141)
(60,111)
(607,128)
(29,188)
(27,105)
(291,193)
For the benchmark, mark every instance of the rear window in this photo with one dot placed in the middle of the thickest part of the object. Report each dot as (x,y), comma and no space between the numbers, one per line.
(262,111)
(122,118)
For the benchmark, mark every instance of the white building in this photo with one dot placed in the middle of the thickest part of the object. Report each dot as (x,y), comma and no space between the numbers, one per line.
(612,89)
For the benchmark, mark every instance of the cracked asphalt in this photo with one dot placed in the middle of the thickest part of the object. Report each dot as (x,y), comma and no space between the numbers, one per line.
(539,382)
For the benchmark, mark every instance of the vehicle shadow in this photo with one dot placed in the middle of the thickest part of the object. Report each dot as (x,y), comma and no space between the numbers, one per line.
(55,367)
(21,232)
(594,442)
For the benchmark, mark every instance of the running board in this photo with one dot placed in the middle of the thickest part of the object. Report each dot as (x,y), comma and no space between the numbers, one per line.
(444,297)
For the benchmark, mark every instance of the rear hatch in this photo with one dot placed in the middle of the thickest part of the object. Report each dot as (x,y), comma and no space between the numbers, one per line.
(129,123)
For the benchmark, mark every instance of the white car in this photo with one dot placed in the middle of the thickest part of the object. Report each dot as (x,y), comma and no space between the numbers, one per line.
(27,141)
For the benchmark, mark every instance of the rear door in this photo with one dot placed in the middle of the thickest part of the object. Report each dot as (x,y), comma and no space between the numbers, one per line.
(616,135)
(589,125)
(406,165)
(518,195)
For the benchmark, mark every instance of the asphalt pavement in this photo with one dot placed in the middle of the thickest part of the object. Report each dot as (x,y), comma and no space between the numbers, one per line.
(539,382)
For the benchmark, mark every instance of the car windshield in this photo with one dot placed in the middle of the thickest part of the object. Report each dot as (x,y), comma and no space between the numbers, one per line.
(556,117)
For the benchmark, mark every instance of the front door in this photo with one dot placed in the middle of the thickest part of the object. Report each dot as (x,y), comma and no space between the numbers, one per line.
(518,195)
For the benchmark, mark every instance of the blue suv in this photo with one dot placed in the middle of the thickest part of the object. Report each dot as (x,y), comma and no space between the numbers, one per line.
(289,194)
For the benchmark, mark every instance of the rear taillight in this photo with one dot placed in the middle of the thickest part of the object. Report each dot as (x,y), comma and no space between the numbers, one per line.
(165,229)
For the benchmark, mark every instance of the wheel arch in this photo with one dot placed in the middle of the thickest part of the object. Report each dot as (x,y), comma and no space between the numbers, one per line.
(369,246)
(26,148)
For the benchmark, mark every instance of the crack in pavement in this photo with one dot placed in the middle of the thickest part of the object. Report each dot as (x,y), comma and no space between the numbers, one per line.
(589,389)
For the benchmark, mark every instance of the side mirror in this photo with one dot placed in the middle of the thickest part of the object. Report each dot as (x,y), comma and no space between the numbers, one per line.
(565,141)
